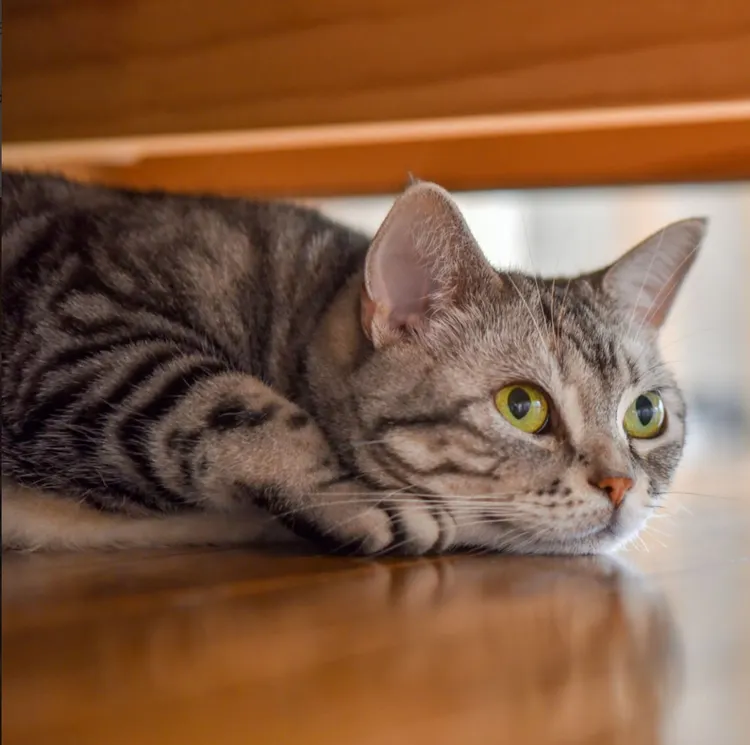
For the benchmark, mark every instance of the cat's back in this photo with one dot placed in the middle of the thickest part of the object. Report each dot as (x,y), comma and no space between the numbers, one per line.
(27,194)
(145,222)
(251,275)
(47,214)
(32,202)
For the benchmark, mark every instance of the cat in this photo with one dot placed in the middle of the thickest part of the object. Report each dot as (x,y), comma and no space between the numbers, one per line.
(201,370)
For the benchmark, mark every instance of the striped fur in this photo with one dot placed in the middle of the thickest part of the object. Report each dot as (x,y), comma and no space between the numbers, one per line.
(181,370)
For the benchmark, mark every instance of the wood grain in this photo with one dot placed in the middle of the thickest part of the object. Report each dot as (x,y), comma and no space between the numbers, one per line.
(237,647)
(328,662)
(704,151)
(81,69)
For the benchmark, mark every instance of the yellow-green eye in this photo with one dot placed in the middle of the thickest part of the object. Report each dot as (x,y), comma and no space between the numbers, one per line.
(645,417)
(524,406)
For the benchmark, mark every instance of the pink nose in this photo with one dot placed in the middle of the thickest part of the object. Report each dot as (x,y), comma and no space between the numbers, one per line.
(615,487)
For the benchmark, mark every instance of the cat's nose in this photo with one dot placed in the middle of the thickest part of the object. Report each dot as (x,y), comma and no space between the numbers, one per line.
(615,487)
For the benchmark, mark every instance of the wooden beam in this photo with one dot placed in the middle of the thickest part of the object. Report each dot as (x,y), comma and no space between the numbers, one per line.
(714,150)
(76,69)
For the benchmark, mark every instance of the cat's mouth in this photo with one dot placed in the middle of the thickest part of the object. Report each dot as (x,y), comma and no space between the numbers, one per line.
(610,530)
(600,538)
(583,541)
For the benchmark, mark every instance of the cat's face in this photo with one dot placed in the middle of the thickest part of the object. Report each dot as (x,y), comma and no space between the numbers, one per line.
(537,414)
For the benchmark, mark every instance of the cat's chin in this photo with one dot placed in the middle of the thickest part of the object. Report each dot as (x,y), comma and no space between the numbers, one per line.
(598,540)
(574,546)
(606,540)
(603,543)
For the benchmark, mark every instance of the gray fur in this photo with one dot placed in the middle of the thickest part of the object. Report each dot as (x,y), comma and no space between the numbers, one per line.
(174,363)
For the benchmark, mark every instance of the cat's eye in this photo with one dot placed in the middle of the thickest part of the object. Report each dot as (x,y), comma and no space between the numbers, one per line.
(645,417)
(524,406)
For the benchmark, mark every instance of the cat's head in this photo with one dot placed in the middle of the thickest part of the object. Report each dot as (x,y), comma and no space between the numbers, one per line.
(539,413)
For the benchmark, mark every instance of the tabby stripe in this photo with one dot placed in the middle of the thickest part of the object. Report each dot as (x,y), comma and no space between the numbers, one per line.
(20,282)
(92,349)
(450,417)
(141,326)
(582,345)
(80,327)
(264,321)
(68,270)
(546,311)
(94,416)
(251,316)
(133,430)
(599,354)
(40,416)
(21,289)
(70,356)
(383,459)
(447,467)
(633,371)
(607,359)
(89,282)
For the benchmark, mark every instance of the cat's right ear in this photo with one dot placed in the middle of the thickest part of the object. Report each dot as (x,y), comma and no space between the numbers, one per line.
(645,281)
(423,259)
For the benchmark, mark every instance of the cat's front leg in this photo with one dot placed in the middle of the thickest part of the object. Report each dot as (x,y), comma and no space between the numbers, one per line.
(232,440)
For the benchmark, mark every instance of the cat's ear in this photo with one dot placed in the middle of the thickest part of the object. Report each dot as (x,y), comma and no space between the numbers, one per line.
(423,259)
(645,280)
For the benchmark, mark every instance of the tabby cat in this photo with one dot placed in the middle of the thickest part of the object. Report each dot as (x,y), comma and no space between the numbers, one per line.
(198,370)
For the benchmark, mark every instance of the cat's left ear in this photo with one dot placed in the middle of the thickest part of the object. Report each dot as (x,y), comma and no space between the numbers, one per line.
(645,281)
(422,261)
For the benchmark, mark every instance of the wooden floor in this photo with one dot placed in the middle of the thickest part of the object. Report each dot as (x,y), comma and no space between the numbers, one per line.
(235,647)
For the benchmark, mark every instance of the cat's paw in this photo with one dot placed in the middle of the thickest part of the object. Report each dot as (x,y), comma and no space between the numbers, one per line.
(419,527)
(354,529)
(356,520)
(348,518)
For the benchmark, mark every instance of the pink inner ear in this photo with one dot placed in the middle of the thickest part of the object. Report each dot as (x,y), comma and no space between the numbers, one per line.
(402,285)
(416,261)
(401,269)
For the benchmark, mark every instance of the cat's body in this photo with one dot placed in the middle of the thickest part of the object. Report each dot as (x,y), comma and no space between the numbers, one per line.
(186,370)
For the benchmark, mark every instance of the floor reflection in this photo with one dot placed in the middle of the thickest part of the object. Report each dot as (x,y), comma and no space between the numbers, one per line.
(457,650)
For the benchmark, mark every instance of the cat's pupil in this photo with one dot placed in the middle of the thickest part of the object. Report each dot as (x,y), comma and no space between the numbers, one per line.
(519,403)
(644,409)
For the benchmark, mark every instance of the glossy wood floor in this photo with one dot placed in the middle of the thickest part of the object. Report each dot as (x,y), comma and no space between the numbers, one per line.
(236,647)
